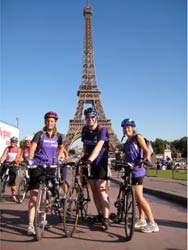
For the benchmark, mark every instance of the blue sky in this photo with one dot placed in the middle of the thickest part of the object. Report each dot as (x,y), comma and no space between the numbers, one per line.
(140,62)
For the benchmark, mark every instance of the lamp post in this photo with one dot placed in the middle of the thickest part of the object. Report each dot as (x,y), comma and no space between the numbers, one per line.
(17,119)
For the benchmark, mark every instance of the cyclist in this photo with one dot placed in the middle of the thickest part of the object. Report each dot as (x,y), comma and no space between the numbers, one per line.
(24,153)
(133,155)
(46,149)
(9,157)
(95,146)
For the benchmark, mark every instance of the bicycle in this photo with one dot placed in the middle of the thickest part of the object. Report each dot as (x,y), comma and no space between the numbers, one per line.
(4,177)
(77,200)
(125,202)
(50,197)
(23,186)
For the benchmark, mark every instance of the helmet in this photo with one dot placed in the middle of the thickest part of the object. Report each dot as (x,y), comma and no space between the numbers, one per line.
(14,139)
(91,111)
(51,115)
(28,138)
(128,122)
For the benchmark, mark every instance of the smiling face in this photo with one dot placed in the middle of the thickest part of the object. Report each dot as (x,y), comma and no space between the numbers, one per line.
(13,143)
(91,120)
(27,143)
(128,130)
(50,123)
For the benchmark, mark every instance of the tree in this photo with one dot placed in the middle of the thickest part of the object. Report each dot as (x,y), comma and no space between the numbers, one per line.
(181,146)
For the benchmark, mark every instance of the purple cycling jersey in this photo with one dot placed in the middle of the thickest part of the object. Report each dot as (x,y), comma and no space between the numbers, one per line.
(47,149)
(132,155)
(90,140)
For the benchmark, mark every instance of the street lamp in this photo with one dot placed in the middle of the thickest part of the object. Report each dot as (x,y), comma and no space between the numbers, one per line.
(17,119)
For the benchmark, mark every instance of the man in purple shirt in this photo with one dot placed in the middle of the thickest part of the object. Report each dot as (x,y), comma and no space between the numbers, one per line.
(95,145)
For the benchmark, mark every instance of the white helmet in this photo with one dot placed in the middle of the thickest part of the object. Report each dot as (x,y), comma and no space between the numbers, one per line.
(28,138)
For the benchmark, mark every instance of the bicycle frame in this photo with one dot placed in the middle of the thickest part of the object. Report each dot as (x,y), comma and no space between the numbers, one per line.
(125,202)
(76,201)
(48,198)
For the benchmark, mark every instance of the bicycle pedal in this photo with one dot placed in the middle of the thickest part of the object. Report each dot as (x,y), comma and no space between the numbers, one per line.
(117,203)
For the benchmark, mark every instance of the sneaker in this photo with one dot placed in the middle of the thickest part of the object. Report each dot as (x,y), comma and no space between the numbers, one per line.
(45,224)
(30,230)
(15,199)
(150,228)
(96,219)
(105,224)
(140,223)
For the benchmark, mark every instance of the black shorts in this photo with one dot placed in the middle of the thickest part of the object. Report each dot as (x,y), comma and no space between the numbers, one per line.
(99,172)
(138,181)
(36,176)
(12,174)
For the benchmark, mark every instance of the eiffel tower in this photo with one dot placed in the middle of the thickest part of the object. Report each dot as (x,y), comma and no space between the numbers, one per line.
(88,92)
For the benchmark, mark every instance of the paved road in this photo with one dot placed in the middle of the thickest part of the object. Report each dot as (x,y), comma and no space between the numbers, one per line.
(169,189)
(171,218)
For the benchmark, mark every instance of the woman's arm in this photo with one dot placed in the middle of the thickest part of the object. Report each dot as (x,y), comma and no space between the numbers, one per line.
(32,150)
(4,155)
(143,145)
(19,156)
(61,151)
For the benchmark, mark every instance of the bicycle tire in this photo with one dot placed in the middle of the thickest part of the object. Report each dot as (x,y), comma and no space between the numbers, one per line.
(22,190)
(3,183)
(40,212)
(63,190)
(119,204)
(84,202)
(129,213)
(71,211)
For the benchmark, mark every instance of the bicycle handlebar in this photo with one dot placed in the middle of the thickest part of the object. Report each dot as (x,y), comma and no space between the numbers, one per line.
(142,163)
(42,166)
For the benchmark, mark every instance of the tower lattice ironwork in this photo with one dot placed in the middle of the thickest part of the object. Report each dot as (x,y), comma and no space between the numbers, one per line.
(88,92)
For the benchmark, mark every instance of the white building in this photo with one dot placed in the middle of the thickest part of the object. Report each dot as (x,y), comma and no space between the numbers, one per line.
(6,132)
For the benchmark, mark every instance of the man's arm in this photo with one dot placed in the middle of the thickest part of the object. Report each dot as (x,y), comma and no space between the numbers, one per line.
(96,151)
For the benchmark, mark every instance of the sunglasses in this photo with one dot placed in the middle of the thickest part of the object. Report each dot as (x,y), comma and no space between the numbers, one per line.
(90,117)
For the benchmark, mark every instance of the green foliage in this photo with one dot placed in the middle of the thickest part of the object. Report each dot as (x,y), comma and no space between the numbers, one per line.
(72,152)
(120,147)
(181,146)
(22,143)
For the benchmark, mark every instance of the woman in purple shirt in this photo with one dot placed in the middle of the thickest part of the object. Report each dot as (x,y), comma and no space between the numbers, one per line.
(133,155)
(95,145)
(46,149)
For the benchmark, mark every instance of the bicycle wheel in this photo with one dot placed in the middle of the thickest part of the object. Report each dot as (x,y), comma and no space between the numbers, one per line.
(22,190)
(3,183)
(40,212)
(63,190)
(129,213)
(84,202)
(119,204)
(71,211)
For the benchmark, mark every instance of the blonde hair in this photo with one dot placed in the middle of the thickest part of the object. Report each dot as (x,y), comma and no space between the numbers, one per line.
(44,130)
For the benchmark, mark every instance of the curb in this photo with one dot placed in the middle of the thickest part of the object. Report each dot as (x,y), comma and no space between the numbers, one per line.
(164,195)
(167,196)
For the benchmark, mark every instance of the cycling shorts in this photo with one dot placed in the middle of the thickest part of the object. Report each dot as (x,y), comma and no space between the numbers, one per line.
(36,175)
(138,181)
